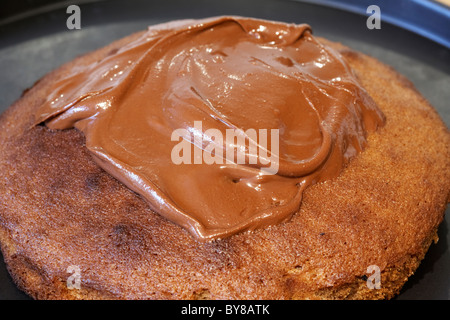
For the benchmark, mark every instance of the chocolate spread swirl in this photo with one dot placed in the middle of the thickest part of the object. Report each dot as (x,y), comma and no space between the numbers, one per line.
(220,73)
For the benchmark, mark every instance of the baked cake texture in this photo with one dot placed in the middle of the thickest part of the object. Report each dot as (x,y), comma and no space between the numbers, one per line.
(58,209)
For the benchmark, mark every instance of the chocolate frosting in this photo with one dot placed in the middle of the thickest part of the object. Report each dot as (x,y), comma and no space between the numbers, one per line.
(190,83)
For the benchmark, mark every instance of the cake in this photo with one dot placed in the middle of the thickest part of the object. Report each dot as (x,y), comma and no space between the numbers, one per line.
(354,191)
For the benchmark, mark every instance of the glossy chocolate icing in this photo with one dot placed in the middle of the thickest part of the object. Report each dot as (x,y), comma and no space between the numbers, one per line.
(223,73)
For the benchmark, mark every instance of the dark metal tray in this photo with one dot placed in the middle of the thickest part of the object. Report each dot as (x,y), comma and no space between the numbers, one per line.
(34,42)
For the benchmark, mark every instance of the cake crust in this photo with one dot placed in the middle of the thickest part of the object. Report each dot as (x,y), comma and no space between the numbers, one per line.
(59,209)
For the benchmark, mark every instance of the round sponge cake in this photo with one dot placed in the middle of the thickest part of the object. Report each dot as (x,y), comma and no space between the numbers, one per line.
(61,215)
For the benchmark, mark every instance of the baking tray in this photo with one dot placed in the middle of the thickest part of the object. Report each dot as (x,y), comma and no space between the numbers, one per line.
(34,40)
